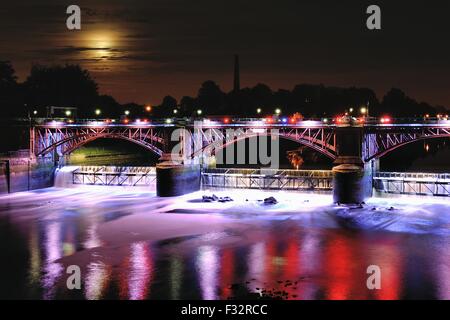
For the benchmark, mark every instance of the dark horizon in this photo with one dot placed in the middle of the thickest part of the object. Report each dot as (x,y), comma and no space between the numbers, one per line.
(141,51)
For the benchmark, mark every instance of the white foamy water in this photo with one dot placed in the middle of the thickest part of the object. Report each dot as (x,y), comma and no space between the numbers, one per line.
(64,176)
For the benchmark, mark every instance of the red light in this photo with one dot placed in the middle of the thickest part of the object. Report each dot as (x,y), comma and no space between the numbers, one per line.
(269,120)
(226,120)
(126,121)
(385,120)
(292,120)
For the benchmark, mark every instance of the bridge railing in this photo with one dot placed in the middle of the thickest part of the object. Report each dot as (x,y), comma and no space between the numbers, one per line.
(277,121)
(269,179)
(416,183)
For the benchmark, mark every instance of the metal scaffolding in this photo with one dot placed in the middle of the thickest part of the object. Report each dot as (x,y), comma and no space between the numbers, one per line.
(269,179)
(115,176)
(434,184)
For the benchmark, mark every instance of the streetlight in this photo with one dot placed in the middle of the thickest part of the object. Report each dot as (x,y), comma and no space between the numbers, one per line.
(363,110)
(351,110)
(258,111)
(127,112)
(68,113)
(98,112)
(199,112)
(148,108)
(175,111)
(35,112)
(277,111)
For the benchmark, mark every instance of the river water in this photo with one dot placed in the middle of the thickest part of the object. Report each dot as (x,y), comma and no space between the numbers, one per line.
(129,244)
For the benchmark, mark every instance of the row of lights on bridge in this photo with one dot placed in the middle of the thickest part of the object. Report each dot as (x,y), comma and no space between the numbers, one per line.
(277,112)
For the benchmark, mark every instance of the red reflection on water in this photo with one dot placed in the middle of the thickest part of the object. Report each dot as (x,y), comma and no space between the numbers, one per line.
(291,266)
(338,259)
(227,272)
(136,273)
(389,259)
(271,262)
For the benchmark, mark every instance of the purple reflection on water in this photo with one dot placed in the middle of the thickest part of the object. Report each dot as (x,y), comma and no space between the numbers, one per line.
(208,267)
(53,251)
(140,271)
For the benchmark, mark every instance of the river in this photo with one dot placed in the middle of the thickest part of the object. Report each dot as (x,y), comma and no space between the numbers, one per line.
(129,244)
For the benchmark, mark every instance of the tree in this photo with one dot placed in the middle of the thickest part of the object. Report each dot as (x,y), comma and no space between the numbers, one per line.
(398,103)
(11,100)
(62,86)
(109,106)
(187,105)
(7,74)
(211,99)
(262,95)
(169,103)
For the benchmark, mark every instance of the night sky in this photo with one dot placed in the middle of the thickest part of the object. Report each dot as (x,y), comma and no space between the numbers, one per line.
(142,50)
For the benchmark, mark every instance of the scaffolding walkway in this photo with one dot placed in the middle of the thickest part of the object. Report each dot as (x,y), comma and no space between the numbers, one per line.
(115,176)
(270,179)
(414,183)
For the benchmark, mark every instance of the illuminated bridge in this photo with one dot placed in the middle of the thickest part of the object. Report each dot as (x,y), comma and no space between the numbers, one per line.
(349,142)
(376,139)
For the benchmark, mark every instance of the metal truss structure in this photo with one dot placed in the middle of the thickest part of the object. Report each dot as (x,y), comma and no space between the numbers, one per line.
(115,176)
(412,183)
(45,140)
(62,139)
(268,179)
(210,139)
(379,141)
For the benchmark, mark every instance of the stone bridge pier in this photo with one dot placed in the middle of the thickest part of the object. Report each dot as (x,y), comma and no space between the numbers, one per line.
(177,173)
(352,176)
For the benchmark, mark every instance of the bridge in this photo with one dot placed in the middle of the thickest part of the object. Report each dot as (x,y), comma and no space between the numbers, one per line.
(349,142)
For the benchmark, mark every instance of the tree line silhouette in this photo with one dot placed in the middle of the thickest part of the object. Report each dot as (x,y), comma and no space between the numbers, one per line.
(72,86)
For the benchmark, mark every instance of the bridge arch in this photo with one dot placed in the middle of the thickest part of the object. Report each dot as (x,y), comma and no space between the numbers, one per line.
(324,147)
(67,141)
(396,146)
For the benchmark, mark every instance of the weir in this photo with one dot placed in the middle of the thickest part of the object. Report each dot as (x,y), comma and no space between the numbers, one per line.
(320,181)
(71,176)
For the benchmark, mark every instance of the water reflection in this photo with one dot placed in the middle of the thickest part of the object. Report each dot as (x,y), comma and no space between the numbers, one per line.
(302,266)
(140,272)
(279,256)
(208,268)
(97,279)
(176,276)
(53,251)
(442,272)
(35,257)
